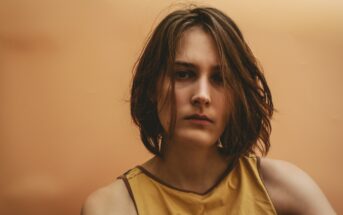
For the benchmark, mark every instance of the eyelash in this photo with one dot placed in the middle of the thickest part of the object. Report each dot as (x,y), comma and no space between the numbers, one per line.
(217,77)
(180,76)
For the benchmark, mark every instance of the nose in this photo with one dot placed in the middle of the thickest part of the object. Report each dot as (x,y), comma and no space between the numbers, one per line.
(201,96)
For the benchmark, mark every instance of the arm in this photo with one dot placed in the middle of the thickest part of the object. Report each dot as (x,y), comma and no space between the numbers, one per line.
(291,190)
(113,199)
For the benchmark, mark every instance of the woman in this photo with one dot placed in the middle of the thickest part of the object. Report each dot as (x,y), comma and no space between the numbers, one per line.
(203,108)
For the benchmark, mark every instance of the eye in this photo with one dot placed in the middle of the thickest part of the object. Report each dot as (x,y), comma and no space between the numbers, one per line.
(184,75)
(218,78)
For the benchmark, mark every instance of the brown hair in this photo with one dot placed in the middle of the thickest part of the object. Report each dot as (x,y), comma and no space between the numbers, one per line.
(248,126)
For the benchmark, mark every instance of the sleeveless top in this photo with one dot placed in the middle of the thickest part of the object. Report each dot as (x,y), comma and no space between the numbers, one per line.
(240,190)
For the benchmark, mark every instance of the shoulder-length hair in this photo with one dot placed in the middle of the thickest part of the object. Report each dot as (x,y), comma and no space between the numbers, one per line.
(251,109)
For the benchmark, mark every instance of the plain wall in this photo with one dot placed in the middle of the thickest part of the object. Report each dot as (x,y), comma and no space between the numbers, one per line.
(65,71)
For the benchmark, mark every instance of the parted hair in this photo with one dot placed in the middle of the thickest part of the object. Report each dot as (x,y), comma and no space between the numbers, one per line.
(248,127)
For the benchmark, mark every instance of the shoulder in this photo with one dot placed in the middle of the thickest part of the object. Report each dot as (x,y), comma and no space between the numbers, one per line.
(113,199)
(292,190)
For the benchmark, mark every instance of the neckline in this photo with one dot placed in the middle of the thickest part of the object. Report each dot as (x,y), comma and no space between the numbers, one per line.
(226,173)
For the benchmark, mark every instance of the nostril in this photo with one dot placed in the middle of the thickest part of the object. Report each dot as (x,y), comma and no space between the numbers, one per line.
(201,94)
(200,100)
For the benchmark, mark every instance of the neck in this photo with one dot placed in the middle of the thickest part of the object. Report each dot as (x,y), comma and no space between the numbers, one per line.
(191,168)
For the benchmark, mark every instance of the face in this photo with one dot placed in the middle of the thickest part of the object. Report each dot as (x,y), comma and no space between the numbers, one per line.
(201,100)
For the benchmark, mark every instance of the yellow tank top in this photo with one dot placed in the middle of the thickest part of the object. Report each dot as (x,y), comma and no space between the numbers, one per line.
(239,191)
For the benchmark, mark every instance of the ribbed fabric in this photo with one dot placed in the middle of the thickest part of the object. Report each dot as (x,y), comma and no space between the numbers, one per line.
(240,191)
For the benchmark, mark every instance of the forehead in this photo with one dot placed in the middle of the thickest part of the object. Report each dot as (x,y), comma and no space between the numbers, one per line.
(198,47)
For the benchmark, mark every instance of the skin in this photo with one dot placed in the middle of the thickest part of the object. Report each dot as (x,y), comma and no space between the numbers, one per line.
(192,151)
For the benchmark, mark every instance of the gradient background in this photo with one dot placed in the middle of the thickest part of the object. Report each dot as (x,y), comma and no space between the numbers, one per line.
(65,71)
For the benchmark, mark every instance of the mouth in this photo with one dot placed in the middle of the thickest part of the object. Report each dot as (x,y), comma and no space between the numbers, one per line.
(199,117)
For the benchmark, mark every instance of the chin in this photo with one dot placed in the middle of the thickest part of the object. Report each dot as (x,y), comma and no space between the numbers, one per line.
(197,137)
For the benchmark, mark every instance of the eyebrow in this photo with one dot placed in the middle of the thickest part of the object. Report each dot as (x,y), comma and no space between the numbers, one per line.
(192,66)
(185,64)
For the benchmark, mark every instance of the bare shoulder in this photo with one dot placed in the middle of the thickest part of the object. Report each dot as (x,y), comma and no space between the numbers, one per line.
(291,190)
(113,199)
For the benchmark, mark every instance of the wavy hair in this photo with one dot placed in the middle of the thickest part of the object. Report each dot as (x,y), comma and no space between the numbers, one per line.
(248,127)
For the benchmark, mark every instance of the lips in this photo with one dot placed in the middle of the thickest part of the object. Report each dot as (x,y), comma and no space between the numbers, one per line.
(198,117)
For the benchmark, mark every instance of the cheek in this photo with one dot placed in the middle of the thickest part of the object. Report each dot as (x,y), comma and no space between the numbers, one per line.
(165,106)
(181,100)
(225,108)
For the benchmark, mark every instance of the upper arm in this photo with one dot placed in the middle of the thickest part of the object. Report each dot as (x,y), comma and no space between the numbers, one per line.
(110,200)
(292,190)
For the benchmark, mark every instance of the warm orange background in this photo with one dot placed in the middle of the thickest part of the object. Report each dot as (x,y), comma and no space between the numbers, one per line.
(65,70)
